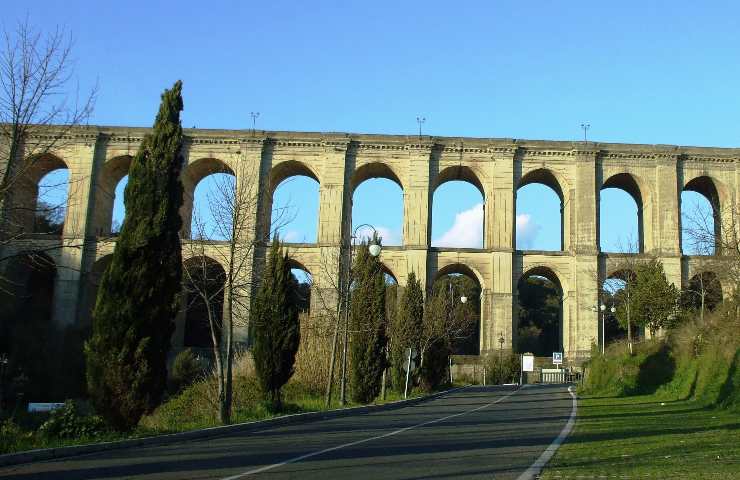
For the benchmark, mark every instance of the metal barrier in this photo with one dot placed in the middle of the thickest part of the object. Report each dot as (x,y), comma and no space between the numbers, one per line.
(552,375)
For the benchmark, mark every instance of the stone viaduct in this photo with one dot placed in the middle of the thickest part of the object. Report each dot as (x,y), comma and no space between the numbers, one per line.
(654,175)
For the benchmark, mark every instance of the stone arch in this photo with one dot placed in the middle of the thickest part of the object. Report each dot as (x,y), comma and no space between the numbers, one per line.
(304,289)
(559,185)
(279,173)
(548,337)
(373,170)
(25,191)
(379,170)
(462,173)
(462,269)
(387,271)
(716,194)
(191,175)
(640,193)
(204,277)
(545,272)
(110,175)
(620,273)
(290,168)
(470,340)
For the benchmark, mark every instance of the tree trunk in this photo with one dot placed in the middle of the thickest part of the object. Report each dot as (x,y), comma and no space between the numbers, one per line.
(332,361)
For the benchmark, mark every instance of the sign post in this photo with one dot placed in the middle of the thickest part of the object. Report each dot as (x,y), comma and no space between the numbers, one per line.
(557,358)
(527,366)
(408,366)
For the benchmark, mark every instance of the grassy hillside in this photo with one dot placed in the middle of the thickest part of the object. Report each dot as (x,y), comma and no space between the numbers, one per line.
(668,411)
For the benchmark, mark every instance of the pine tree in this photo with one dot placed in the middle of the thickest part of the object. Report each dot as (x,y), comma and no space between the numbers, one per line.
(276,327)
(138,296)
(368,327)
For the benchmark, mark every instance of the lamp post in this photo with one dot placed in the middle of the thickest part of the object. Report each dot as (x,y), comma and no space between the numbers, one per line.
(602,309)
(374,250)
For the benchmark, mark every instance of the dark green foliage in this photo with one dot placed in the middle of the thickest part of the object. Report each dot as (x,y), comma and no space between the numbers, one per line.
(276,326)
(502,367)
(464,341)
(138,296)
(70,422)
(539,316)
(434,364)
(368,326)
(434,371)
(651,300)
(408,326)
(185,370)
(34,345)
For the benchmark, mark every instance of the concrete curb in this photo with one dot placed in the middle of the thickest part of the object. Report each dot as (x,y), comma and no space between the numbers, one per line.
(62,452)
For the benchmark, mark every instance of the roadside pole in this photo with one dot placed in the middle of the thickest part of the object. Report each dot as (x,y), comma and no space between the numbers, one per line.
(408,373)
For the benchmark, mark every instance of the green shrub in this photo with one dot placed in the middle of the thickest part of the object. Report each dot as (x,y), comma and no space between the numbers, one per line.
(502,367)
(185,370)
(434,372)
(71,423)
(13,437)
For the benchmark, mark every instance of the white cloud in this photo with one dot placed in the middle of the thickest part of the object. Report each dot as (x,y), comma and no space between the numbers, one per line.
(526,231)
(466,232)
(388,236)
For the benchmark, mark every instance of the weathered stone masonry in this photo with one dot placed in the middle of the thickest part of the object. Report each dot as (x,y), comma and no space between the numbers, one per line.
(655,175)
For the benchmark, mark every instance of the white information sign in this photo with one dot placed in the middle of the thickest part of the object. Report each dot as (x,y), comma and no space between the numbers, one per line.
(527,363)
(557,358)
(43,407)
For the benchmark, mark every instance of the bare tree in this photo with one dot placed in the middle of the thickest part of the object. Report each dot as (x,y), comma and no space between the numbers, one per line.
(445,319)
(230,238)
(39,109)
(715,233)
(627,264)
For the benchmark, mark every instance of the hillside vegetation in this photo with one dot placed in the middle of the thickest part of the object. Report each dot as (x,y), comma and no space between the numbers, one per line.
(700,362)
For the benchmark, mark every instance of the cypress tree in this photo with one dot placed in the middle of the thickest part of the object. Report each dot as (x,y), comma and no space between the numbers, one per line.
(409,327)
(368,327)
(138,296)
(276,326)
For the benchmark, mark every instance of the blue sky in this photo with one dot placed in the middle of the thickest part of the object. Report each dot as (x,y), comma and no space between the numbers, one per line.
(641,72)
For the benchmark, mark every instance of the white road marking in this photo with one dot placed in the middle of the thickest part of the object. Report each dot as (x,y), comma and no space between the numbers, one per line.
(365,440)
(540,463)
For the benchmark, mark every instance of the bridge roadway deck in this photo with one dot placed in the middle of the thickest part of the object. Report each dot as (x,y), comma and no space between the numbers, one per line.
(477,432)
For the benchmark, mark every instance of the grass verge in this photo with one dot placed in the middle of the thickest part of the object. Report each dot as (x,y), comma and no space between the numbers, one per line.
(646,437)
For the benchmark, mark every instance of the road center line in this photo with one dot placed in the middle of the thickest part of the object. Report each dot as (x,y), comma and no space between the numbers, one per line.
(545,457)
(365,440)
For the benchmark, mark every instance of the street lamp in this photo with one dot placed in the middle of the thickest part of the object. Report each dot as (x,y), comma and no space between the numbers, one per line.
(602,309)
(374,250)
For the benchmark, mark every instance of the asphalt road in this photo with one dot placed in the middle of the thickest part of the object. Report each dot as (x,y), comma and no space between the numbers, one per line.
(477,432)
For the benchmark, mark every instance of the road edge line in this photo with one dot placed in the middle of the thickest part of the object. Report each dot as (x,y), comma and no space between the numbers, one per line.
(30,456)
(536,467)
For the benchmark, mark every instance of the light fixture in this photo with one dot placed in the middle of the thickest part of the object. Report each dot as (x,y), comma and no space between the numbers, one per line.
(464,299)
(374,249)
